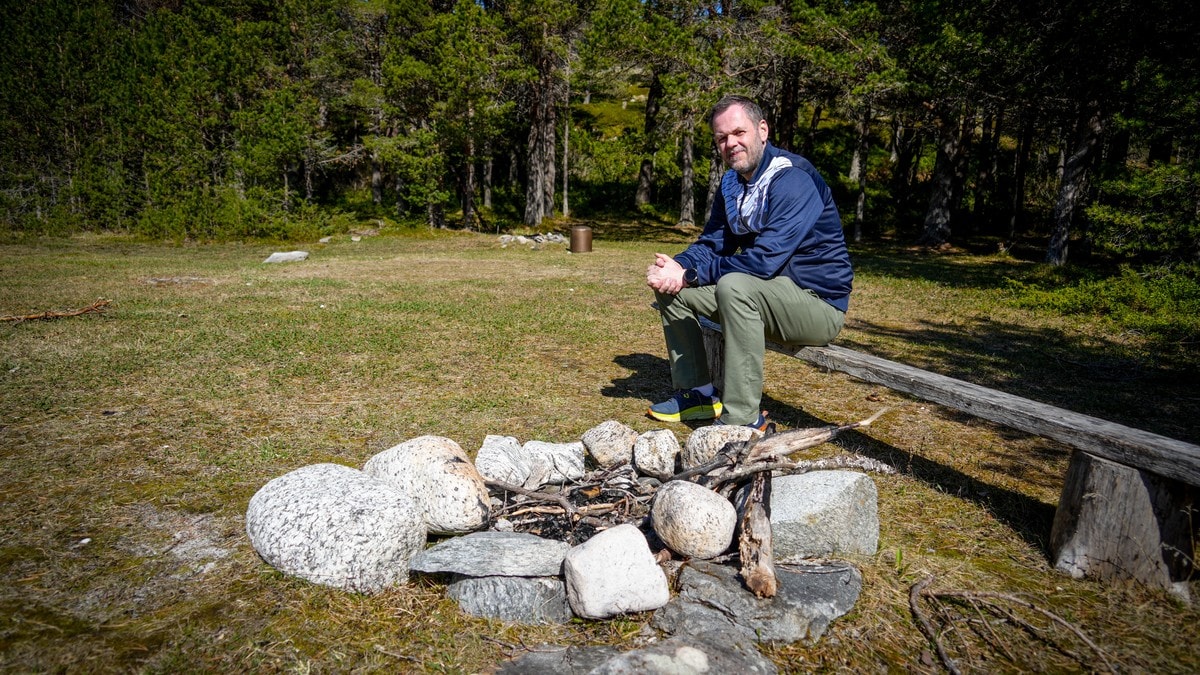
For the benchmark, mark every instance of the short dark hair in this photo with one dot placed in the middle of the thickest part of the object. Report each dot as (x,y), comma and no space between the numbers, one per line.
(747,105)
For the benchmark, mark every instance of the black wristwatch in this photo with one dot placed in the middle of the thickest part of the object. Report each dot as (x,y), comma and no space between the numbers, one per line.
(690,278)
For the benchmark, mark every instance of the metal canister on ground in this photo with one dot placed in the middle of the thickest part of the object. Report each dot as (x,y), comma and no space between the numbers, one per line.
(581,239)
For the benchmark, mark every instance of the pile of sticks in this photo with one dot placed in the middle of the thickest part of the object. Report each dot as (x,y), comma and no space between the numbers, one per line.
(609,497)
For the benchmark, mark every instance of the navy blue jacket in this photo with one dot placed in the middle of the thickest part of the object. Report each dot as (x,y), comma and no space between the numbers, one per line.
(782,222)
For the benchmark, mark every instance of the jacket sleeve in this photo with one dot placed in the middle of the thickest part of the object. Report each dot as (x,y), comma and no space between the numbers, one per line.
(715,241)
(794,205)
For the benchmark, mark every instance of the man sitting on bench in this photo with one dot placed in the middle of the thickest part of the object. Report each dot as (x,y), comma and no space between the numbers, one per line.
(771,263)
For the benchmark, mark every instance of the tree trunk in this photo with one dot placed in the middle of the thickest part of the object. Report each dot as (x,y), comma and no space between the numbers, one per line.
(1020,166)
(941,196)
(810,139)
(687,189)
(646,170)
(789,107)
(1073,188)
(488,163)
(540,179)
(376,179)
(566,210)
(903,154)
(715,169)
(468,196)
(985,169)
(858,169)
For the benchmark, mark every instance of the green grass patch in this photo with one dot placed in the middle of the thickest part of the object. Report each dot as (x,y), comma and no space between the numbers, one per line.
(131,441)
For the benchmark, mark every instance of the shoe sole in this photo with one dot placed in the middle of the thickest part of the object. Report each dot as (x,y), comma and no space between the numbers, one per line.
(696,413)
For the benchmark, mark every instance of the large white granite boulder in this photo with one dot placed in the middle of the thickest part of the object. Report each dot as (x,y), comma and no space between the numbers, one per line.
(336,526)
(614,573)
(693,520)
(439,475)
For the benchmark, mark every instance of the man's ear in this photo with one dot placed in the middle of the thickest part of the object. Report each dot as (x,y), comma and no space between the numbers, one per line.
(764,130)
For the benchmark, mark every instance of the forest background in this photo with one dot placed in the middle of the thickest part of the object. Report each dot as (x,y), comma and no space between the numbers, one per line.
(1068,127)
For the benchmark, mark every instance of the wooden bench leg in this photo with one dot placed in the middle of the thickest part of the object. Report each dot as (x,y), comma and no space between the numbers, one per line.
(1116,522)
(714,349)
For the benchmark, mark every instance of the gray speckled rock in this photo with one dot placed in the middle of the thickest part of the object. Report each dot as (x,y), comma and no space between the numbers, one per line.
(704,443)
(336,526)
(514,599)
(690,654)
(437,472)
(553,462)
(500,458)
(610,443)
(614,573)
(820,513)
(692,520)
(490,554)
(655,453)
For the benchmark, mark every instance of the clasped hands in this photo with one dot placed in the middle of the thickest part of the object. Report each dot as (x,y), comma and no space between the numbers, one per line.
(665,275)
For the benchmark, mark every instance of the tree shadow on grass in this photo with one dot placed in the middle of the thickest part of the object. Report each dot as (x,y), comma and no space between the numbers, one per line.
(1086,374)
(650,377)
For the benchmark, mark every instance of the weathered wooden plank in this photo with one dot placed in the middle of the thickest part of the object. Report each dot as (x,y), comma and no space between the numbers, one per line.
(1132,447)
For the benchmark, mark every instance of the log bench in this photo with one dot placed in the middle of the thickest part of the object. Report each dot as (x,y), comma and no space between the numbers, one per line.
(1127,504)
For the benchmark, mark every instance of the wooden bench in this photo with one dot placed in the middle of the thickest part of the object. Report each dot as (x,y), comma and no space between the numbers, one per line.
(1127,502)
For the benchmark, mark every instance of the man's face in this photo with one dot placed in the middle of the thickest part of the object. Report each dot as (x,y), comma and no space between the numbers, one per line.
(740,141)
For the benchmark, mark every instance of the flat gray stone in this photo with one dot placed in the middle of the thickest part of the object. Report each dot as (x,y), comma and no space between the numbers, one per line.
(679,655)
(491,554)
(823,513)
(557,660)
(538,600)
(686,654)
(712,599)
(286,256)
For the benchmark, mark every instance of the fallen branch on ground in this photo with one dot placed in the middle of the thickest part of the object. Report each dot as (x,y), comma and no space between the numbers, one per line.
(994,603)
(96,307)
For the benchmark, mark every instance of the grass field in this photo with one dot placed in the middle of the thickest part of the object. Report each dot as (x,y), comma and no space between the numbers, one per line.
(131,442)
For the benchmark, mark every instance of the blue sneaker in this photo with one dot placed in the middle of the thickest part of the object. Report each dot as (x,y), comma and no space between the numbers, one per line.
(760,423)
(686,405)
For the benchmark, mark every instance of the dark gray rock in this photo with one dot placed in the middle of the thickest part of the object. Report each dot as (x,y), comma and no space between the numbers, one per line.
(712,599)
(491,554)
(513,599)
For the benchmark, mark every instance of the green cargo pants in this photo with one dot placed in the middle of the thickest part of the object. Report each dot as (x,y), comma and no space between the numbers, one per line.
(750,311)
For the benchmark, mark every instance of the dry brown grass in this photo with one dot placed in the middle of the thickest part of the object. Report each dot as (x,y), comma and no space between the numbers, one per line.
(132,441)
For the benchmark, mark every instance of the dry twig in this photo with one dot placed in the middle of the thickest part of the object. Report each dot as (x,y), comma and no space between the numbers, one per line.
(534,494)
(914,603)
(987,600)
(96,307)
